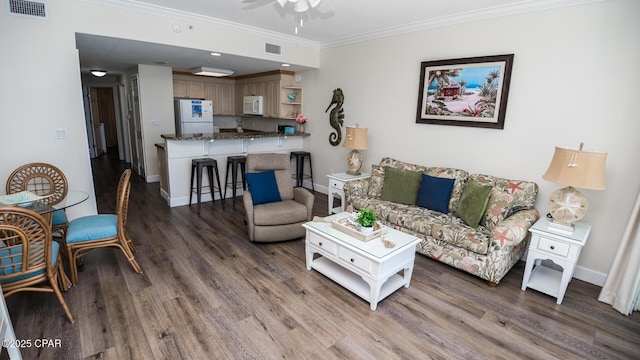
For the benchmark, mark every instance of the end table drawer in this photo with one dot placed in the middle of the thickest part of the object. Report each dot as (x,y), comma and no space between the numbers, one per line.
(335,184)
(323,243)
(554,247)
(355,259)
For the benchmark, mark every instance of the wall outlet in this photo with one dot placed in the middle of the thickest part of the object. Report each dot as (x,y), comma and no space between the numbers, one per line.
(155,122)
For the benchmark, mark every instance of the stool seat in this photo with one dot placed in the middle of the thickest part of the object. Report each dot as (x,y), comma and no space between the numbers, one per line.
(197,166)
(299,175)
(233,163)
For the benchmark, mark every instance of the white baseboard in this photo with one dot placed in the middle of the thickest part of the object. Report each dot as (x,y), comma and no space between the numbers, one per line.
(590,276)
(152,178)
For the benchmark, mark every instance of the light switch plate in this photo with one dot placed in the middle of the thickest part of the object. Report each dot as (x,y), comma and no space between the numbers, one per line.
(61,133)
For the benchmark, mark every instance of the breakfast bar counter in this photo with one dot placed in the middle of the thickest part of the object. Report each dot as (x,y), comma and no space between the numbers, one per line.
(180,149)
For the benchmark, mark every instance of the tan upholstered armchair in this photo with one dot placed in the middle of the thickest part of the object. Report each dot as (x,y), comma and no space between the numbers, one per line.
(276,220)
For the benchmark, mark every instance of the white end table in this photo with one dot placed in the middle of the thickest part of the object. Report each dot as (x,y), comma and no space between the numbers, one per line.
(336,188)
(558,246)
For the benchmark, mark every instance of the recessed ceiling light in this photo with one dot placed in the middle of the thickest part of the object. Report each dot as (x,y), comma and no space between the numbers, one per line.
(286,65)
(216,54)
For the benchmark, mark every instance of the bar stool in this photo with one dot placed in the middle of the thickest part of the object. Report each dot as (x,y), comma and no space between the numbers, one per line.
(199,165)
(233,162)
(299,175)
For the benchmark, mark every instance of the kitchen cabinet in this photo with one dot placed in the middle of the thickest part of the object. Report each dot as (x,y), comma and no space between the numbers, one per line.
(188,89)
(274,88)
(220,91)
(223,97)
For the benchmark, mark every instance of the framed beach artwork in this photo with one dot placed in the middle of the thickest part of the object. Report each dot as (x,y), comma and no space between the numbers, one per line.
(465,92)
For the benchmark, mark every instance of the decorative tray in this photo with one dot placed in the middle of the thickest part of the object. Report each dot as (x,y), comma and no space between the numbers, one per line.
(348,228)
(22,198)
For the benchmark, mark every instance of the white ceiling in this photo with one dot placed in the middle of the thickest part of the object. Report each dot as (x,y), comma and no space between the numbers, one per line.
(332,22)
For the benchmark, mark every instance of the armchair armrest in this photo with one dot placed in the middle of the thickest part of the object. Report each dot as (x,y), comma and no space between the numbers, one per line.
(355,188)
(306,198)
(514,229)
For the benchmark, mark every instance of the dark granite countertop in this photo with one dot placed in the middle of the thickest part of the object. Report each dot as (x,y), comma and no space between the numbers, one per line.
(229,135)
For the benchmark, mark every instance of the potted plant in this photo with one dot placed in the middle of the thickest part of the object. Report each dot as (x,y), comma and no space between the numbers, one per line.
(366,219)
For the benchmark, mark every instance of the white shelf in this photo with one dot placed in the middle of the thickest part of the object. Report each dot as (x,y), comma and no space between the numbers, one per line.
(354,282)
(546,280)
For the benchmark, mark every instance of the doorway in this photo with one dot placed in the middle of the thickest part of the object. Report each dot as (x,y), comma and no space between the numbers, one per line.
(104,121)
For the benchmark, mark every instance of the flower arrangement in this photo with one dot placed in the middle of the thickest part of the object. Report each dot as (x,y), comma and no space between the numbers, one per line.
(301,119)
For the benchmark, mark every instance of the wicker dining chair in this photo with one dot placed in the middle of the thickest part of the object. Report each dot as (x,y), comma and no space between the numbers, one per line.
(43,179)
(103,230)
(29,258)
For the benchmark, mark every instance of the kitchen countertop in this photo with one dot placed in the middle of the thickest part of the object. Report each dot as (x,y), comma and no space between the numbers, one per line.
(229,135)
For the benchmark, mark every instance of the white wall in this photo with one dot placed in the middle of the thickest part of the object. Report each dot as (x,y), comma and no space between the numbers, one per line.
(41,88)
(574,79)
(156,103)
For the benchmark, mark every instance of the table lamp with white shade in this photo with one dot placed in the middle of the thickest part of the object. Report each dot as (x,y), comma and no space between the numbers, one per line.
(356,139)
(576,169)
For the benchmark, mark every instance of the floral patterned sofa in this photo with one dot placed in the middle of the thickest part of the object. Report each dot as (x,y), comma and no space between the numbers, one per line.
(488,250)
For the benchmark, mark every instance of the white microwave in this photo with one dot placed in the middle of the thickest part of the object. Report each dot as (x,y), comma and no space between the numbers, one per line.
(252,105)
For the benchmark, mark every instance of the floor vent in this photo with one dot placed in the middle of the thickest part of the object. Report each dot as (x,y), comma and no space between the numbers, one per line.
(272,48)
(34,9)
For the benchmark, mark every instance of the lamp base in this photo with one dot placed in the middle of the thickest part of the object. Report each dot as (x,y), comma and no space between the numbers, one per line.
(567,206)
(354,162)
(559,227)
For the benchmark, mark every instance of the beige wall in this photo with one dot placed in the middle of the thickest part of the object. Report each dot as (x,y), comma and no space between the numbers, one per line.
(566,63)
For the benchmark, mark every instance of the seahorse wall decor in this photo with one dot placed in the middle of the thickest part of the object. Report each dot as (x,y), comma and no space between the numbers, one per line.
(336,117)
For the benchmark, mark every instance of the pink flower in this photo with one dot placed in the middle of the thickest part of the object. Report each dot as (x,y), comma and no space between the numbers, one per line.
(301,119)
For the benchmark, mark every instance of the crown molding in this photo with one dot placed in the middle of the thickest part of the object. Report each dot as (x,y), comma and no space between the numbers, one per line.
(168,12)
(471,16)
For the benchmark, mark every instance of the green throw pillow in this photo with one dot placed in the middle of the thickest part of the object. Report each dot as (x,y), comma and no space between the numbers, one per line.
(473,202)
(401,186)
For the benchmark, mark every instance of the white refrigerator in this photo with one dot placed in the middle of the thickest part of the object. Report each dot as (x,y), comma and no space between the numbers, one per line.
(193,116)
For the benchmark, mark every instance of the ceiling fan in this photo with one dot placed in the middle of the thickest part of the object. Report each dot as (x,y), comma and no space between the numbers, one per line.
(300,6)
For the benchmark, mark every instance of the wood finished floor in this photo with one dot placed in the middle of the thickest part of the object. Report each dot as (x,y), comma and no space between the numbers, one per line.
(209,293)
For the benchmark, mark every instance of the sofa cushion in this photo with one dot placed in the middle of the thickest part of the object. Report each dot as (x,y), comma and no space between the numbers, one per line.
(498,208)
(263,187)
(460,177)
(434,193)
(401,185)
(473,202)
(376,181)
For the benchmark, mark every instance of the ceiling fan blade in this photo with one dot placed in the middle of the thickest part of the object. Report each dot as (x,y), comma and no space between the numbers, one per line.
(282,2)
(314,3)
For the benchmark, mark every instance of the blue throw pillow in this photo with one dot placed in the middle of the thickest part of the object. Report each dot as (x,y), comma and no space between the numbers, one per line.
(263,187)
(434,193)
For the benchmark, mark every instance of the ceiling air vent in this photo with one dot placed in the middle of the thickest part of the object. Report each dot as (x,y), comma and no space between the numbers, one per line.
(272,48)
(36,9)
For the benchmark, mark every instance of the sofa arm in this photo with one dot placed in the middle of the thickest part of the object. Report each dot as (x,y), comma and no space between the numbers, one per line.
(355,188)
(514,229)
(306,198)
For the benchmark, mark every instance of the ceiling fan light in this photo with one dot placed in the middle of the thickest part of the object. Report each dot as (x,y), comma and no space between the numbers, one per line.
(98,73)
(301,6)
(211,71)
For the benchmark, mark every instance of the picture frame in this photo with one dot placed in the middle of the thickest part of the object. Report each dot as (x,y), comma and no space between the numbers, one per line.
(469,91)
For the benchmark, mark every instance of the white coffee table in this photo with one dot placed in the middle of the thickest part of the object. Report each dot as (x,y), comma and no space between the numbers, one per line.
(368,269)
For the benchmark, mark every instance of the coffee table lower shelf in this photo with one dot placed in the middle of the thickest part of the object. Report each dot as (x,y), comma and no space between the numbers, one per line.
(355,283)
